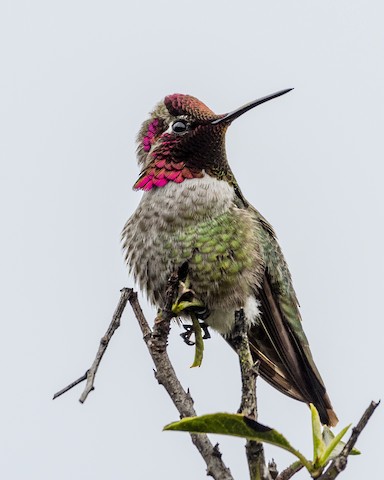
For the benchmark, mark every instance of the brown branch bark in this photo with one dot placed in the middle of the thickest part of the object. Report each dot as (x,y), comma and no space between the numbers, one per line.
(340,462)
(272,469)
(156,342)
(248,406)
(290,471)
(90,374)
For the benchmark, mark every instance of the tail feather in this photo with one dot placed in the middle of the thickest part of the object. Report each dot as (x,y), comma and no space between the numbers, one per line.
(279,343)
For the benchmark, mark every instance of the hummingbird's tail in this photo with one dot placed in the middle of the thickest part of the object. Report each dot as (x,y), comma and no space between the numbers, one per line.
(278,341)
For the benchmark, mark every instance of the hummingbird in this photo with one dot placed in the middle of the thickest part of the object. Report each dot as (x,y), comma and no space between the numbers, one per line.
(192,214)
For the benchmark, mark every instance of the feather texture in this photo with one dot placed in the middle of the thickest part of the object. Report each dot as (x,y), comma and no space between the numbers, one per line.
(193,212)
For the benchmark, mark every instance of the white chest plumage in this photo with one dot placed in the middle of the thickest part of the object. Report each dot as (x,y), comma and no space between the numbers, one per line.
(152,235)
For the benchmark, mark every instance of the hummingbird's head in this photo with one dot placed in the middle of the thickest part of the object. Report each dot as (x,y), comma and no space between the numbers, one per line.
(184,139)
(180,130)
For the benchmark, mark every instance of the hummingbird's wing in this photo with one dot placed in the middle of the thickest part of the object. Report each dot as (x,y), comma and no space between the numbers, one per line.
(278,340)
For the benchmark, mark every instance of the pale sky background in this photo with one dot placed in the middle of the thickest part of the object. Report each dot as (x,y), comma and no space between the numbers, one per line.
(77,79)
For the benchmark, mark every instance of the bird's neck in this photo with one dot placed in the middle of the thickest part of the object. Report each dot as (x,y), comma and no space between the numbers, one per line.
(191,199)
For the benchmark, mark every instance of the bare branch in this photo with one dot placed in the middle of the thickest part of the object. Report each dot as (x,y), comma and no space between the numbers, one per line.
(340,462)
(71,385)
(249,370)
(290,471)
(272,468)
(165,374)
(156,342)
(91,372)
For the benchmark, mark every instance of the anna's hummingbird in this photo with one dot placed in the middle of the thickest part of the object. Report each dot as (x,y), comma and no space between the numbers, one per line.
(193,213)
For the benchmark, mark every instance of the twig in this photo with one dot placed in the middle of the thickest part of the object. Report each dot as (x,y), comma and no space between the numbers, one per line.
(340,462)
(272,468)
(156,342)
(290,471)
(71,385)
(90,374)
(239,341)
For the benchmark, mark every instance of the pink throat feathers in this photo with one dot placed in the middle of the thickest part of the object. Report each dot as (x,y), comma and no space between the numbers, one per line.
(161,172)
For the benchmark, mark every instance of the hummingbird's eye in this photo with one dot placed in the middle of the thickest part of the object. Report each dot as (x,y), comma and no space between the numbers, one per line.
(180,126)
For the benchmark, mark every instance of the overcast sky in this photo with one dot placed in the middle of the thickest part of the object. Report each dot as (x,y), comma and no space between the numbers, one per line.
(77,79)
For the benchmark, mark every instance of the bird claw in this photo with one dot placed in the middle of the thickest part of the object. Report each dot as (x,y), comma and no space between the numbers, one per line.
(187,334)
(204,327)
(190,330)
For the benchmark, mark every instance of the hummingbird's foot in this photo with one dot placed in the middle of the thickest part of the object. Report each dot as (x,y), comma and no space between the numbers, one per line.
(190,330)
(205,327)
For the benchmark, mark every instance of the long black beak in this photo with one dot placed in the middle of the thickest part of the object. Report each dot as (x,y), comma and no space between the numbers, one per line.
(229,117)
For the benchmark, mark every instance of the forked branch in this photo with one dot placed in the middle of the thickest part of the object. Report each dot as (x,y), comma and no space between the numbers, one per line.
(90,374)
(156,341)
(340,462)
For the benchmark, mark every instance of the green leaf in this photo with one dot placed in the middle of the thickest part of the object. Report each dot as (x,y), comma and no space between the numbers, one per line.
(318,443)
(199,342)
(239,426)
(186,299)
(334,444)
(334,447)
